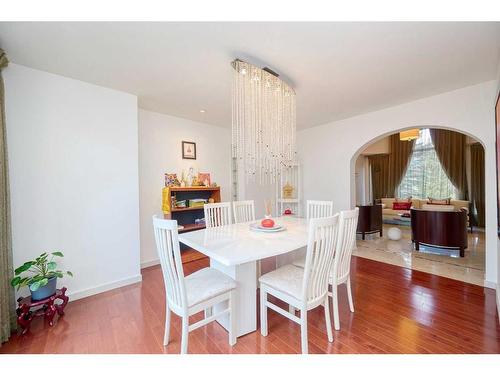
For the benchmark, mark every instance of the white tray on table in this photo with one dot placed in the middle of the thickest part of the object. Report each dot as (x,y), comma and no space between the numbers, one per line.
(259,228)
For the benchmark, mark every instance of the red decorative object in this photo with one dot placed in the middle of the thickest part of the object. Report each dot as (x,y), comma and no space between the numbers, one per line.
(401,205)
(267,223)
(48,309)
(287,212)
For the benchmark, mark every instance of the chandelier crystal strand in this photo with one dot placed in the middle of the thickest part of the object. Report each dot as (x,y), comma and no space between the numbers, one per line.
(263,123)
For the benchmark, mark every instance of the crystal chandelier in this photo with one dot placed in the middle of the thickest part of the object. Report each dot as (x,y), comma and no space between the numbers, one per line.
(263,124)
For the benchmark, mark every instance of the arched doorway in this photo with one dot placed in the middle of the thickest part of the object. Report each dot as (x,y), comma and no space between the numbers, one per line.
(430,172)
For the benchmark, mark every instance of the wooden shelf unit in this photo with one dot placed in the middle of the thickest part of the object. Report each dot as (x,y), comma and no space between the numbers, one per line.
(195,188)
(192,192)
(186,216)
(191,227)
(180,209)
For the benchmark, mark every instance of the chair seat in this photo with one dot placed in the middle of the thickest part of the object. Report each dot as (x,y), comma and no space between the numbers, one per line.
(286,279)
(205,284)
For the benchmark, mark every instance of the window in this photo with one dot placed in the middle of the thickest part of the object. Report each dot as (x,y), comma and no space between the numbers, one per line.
(425,177)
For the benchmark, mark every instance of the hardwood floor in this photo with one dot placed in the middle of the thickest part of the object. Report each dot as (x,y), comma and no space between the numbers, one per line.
(190,255)
(397,311)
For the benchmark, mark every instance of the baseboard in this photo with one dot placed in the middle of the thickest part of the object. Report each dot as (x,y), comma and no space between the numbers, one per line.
(150,263)
(104,287)
(490,284)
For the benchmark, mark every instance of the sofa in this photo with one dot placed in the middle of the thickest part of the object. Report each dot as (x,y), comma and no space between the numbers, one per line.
(388,213)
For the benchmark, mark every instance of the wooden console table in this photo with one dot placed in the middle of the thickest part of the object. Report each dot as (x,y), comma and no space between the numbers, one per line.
(370,220)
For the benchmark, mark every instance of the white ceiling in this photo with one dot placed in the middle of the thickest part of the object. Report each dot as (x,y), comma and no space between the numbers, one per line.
(337,69)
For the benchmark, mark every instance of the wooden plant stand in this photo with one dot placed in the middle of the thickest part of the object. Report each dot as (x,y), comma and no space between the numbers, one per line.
(48,309)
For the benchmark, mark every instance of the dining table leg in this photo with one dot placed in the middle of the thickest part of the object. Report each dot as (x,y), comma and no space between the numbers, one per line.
(246,296)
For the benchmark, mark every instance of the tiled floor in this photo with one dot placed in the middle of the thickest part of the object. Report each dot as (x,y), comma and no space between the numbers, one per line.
(439,262)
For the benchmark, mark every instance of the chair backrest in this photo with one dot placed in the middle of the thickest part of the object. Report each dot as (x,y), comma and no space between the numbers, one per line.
(217,214)
(243,211)
(317,209)
(321,243)
(346,242)
(167,245)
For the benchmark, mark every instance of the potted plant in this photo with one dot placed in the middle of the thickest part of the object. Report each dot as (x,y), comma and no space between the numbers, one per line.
(42,281)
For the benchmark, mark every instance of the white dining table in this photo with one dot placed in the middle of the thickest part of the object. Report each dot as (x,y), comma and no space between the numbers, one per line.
(235,250)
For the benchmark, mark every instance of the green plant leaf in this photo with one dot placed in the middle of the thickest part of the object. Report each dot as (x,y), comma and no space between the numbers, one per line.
(69,273)
(57,254)
(34,286)
(26,266)
(43,282)
(59,274)
(25,281)
(51,266)
(15,281)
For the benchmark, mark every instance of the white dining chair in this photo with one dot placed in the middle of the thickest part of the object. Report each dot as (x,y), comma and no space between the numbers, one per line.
(303,288)
(341,273)
(243,211)
(316,209)
(217,214)
(197,292)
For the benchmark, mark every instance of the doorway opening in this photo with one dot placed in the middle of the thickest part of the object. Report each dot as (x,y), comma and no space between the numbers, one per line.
(413,176)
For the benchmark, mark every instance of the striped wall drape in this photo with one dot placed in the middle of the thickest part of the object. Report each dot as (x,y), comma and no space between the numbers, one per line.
(7,313)
(450,148)
(399,158)
(477,184)
(379,172)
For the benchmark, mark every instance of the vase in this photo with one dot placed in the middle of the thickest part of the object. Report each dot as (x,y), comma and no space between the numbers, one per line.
(44,291)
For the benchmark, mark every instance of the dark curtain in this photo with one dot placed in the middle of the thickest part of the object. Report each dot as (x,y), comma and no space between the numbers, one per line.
(477,184)
(7,312)
(399,157)
(450,148)
(379,170)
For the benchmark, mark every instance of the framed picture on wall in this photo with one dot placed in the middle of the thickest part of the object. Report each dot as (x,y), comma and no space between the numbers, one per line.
(204,178)
(497,124)
(188,150)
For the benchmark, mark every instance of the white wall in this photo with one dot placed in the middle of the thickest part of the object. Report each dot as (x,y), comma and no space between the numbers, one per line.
(379,147)
(160,138)
(74,177)
(328,152)
(259,194)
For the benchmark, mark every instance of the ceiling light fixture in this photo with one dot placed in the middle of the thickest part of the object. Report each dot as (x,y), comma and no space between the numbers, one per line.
(409,135)
(202,110)
(263,123)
